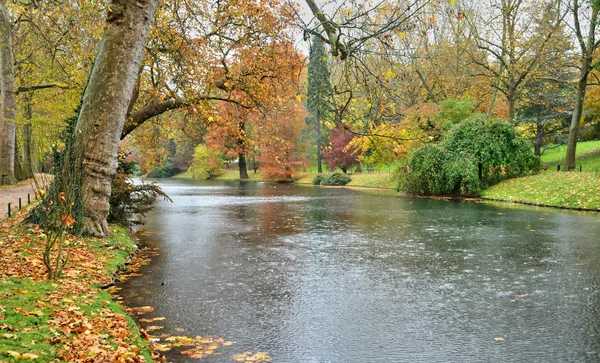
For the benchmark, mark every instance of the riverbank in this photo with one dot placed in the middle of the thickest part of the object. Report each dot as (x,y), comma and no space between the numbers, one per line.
(380,180)
(71,319)
(573,190)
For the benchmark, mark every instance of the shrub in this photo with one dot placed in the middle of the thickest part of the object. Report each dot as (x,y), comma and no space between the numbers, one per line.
(474,155)
(129,201)
(336,179)
(164,171)
(424,176)
(318,179)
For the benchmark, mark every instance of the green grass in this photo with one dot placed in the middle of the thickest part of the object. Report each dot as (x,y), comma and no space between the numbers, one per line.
(571,190)
(119,246)
(588,155)
(23,327)
(383,180)
(559,189)
(228,174)
(377,179)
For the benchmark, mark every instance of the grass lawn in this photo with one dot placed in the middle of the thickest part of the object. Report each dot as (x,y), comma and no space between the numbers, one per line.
(378,179)
(572,190)
(383,180)
(588,155)
(559,189)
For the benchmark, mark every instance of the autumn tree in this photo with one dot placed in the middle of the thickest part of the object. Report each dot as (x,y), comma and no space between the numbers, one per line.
(91,156)
(192,53)
(341,154)
(231,134)
(585,21)
(51,44)
(515,44)
(54,46)
(281,151)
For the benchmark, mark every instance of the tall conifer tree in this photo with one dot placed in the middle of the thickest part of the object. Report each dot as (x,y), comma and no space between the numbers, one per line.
(319,94)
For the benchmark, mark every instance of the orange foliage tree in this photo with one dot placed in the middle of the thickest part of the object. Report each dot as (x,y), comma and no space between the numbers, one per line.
(265,121)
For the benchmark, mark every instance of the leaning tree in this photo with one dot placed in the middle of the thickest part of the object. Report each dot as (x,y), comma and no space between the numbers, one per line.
(90,159)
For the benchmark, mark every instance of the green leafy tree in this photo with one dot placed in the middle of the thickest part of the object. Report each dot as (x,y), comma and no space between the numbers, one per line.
(319,94)
(475,154)
(206,162)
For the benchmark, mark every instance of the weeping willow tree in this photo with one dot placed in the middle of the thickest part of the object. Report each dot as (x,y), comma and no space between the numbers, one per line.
(90,158)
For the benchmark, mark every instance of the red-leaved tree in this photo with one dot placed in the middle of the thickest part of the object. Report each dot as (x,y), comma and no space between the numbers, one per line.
(340,154)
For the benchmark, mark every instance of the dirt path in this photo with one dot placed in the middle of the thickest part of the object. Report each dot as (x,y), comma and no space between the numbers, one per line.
(11,194)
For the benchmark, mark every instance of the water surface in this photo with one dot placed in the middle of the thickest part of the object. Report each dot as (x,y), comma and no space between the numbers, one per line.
(337,275)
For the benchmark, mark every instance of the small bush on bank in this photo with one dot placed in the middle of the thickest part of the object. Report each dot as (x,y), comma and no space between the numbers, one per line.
(165,171)
(318,179)
(129,202)
(332,179)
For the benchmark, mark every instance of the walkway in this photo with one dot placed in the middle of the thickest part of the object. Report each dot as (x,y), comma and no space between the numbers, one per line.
(11,194)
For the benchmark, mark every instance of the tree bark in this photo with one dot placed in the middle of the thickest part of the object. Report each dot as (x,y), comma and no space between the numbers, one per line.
(105,103)
(539,134)
(242,166)
(574,127)
(9,100)
(588,46)
(511,98)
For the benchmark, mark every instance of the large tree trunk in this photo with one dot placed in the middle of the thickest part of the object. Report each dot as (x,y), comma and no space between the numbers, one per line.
(576,118)
(511,98)
(29,166)
(588,46)
(539,134)
(243,166)
(9,100)
(105,103)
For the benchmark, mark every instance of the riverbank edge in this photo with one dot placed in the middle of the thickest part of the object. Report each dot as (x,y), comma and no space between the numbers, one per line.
(45,321)
(535,204)
(306,179)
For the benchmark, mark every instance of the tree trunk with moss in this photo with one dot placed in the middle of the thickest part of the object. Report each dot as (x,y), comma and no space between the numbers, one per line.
(104,106)
(9,100)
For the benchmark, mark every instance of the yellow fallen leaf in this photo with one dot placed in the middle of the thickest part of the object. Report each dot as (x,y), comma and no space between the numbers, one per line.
(499,339)
(29,356)
(14,354)
(162,348)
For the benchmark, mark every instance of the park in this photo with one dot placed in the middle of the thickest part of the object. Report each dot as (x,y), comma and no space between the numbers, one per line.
(267,180)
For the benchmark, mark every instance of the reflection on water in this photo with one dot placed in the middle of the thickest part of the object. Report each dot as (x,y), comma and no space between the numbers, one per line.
(336,275)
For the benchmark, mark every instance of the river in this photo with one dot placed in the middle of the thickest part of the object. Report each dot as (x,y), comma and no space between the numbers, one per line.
(312,274)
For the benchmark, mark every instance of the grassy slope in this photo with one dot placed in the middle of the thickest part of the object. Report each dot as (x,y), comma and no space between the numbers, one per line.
(572,190)
(70,319)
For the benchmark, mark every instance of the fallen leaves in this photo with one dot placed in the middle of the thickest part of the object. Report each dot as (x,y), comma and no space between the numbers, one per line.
(23,356)
(249,357)
(70,319)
